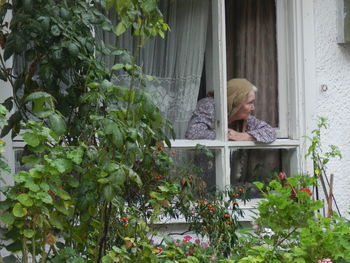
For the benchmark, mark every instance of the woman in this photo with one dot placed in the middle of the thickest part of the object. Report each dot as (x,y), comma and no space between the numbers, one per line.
(241,125)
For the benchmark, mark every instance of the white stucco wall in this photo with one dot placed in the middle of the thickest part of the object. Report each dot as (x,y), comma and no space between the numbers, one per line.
(332,62)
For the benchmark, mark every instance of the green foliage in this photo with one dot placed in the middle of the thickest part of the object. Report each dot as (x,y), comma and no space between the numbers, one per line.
(288,228)
(218,218)
(58,52)
(95,148)
(323,238)
(3,165)
(315,151)
(291,207)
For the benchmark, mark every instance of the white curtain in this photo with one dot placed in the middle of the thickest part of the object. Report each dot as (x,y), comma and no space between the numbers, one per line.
(176,61)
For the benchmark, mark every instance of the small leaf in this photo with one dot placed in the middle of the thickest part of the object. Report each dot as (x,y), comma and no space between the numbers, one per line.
(76,155)
(135,177)
(44,197)
(30,159)
(73,182)
(57,124)
(56,220)
(25,200)
(63,194)
(120,28)
(31,139)
(259,185)
(37,95)
(108,192)
(19,211)
(63,165)
(55,31)
(9,50)
(157,196)
(28,233)
(118,177)
(118,67)
(7,218)
(3,75)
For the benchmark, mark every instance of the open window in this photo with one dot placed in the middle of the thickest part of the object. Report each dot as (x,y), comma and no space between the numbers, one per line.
(248,39)
(210,42)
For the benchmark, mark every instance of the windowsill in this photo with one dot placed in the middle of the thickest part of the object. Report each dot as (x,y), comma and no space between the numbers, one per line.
(279,143)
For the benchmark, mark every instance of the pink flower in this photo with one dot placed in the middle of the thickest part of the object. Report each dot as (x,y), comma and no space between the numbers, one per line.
(205,245)
(178,245)
(189,253)
(325,260)
(197,241)
(187,238)
(282,176)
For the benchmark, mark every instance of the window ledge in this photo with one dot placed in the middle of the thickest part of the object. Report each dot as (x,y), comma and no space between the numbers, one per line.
(279,143)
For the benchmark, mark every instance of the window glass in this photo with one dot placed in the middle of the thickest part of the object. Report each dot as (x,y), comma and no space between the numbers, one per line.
(252,51)
(263,165)
(196,166)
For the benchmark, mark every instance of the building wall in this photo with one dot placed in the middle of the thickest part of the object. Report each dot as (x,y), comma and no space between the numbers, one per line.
(332,68)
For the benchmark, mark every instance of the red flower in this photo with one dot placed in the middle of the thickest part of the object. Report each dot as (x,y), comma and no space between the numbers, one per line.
(227,216)
(124,219)
(306,190)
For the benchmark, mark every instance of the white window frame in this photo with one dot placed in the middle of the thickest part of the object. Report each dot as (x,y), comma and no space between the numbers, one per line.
(295,37)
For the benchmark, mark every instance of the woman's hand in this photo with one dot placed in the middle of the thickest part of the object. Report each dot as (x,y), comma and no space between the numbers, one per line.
(239,136)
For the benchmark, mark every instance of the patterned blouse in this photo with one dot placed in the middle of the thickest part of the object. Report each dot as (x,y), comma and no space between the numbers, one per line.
(201,124)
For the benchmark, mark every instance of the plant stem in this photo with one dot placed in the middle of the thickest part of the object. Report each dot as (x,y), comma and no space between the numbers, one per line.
(33,248)
(103,236)
(24,250)
(44,253)
(285,238)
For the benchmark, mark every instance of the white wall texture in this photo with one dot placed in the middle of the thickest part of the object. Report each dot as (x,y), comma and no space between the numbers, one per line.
(332,66)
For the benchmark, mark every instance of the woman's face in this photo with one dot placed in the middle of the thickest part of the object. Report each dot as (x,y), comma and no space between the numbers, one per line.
(246,109)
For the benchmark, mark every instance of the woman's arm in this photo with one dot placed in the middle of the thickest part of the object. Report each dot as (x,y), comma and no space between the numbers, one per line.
(260,130)
(201,125)
(239,136)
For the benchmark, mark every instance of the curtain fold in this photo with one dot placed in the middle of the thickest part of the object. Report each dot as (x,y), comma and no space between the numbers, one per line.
(176,61)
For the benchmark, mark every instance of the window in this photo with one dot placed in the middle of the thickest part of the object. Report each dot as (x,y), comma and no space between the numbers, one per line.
(216,73)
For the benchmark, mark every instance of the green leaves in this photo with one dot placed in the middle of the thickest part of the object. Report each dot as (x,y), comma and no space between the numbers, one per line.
(57,124)
(62,165)
(31,139)
(7,218)
(25,200)
(19,211)
(28,233)
(55,31)
(121,28)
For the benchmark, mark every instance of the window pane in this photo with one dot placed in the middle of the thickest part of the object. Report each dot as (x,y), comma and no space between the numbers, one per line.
(248,166)
(196,164)
(252,51)
(19,166)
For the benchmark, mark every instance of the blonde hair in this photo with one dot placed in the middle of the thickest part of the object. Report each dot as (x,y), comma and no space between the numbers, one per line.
(237,92)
